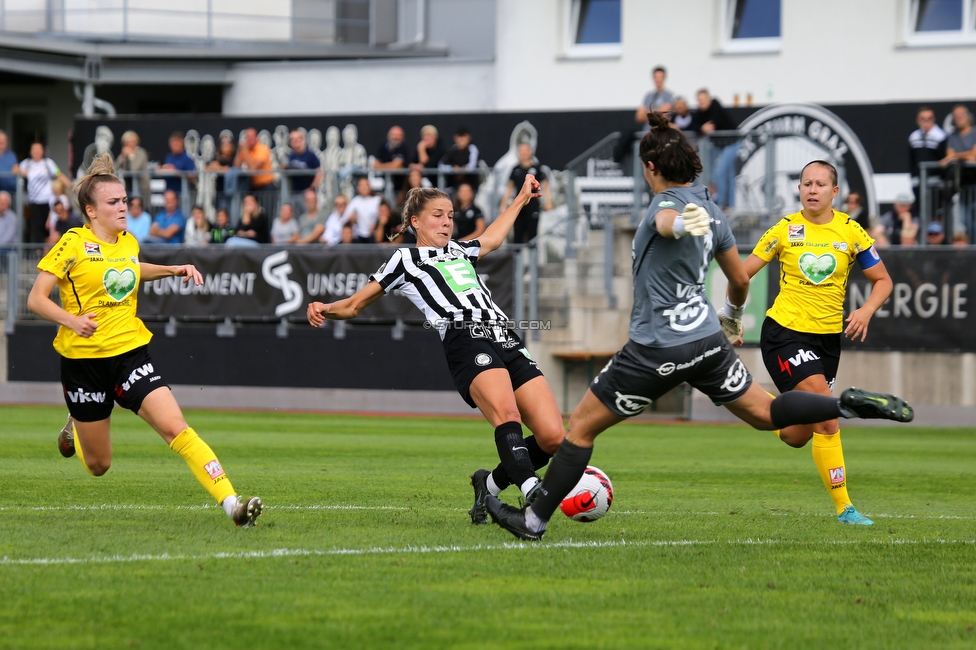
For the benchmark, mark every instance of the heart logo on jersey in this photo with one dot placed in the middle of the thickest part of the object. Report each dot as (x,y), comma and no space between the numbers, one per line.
(817,268)
(119,284)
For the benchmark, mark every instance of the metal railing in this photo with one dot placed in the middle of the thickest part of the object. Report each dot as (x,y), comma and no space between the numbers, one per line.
(947,195)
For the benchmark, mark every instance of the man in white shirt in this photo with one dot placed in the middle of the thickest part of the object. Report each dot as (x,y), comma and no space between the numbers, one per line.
(335,222)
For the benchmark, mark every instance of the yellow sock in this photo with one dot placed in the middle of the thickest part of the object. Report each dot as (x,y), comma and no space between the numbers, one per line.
(829,458)
(777,431)
(81,454)
(203,463)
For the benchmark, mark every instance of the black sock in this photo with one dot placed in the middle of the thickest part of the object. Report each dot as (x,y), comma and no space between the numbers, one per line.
(538,457)
(514,453)
(797,407)
(564,473)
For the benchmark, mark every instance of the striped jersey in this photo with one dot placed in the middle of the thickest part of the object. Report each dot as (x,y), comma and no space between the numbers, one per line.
(442,283)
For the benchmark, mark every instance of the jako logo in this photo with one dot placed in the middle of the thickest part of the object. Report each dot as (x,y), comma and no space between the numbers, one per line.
(275,270)
(80,397)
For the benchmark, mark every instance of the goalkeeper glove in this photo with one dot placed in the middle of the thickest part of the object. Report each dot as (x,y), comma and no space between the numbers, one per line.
(694,221)
(730,318)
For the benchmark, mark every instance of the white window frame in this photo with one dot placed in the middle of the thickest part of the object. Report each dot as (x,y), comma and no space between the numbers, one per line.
(747,45)
(964,36)
(574,50)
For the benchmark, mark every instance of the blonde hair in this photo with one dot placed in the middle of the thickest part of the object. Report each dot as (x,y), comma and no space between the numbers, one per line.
(417,200)
(101,171)
(428,128)
(130,135)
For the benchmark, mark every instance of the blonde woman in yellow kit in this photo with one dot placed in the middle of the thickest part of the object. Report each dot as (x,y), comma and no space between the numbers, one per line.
(103,345)
(801,335)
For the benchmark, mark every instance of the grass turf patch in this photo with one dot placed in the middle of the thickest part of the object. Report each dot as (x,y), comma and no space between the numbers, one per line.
(719,536)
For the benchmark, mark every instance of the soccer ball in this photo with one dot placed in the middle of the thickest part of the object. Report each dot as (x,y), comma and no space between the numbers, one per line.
(591,498)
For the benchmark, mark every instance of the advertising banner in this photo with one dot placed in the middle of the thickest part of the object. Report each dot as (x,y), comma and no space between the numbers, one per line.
(270,283)
(930,308)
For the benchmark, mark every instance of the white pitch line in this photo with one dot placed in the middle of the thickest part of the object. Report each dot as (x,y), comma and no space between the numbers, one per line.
(301,552)
(677,513)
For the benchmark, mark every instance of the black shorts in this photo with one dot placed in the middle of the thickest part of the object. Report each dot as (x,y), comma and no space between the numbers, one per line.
(472,349)
(792,356)
(91,386)
(638,375)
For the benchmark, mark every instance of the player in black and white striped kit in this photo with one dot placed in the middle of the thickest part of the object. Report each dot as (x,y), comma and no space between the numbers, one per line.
(491,367)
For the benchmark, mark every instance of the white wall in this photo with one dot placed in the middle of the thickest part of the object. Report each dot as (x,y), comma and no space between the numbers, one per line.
(834,51)
(390,86)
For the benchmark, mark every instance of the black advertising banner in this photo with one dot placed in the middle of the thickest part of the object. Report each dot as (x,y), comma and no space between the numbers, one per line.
(270,282)
(931,306)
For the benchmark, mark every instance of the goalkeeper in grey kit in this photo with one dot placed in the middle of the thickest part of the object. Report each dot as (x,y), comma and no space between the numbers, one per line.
(676,336)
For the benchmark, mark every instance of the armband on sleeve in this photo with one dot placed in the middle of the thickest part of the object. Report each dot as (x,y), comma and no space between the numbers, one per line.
(867,259)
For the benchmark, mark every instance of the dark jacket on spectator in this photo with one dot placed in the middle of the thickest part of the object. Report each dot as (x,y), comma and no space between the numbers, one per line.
(715,114)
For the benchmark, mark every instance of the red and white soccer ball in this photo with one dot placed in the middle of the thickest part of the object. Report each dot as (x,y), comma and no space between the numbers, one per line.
(591,498)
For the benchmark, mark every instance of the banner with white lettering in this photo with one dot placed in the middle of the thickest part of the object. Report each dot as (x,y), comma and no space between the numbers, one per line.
(931,306)
(270,283)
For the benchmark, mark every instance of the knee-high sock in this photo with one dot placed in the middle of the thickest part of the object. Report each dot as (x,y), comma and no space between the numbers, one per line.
(81,454)
(538,457)
(797,407)
(829,458)
(564,472)
(513,452)
(203,463)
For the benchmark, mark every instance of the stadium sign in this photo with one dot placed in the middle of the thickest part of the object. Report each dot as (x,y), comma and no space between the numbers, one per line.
(931,305)
(785,137)
(270,283)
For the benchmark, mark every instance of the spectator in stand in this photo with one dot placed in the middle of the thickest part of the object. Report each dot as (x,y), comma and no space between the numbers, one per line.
(935,234)
(177,163)
(336,222)
(223,164)
(253,226)
(961,144)
(8,219)
(414,179)
(712,117)
(660,99)
(40,171)
(311,225)
(363,213)
(8,165)
(348,234)
(898,226)
(59,192)
(221,230)
(254,156)
(429,150)
(65,220)
(387,223)
(301,158)
(854,206)
(169,224)
(284,230)
(959,239)
(927,143)
(682,117)
(469,222)
(527,221)
(391,155)
(138,222)
(197,231)
(462,156)
(134,159)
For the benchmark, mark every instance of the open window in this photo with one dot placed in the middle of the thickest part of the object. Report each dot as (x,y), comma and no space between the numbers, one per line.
(752,26)
(594,28)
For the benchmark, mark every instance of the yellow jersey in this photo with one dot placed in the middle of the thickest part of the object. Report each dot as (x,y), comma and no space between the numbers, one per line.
(815,262)
(102,279)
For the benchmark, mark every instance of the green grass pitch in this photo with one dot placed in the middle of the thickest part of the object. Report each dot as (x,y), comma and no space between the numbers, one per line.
(719,537)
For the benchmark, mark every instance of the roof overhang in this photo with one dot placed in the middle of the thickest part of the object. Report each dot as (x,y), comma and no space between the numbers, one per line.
(112,62)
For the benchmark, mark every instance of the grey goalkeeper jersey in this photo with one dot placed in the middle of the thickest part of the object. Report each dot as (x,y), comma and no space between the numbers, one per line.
(670,307)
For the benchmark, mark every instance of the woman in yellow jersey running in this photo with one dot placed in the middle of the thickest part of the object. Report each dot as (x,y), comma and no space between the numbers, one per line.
(103,345)
(801,335)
